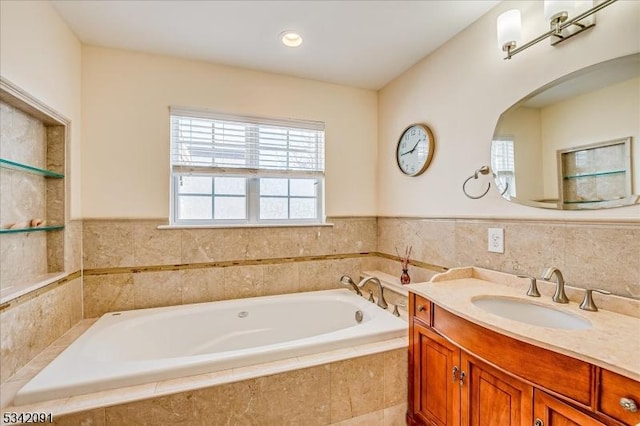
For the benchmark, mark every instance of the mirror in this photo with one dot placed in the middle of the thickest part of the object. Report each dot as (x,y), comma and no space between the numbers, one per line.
(573,144)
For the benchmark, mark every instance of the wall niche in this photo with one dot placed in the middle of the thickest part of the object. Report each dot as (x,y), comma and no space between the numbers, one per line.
(32,193)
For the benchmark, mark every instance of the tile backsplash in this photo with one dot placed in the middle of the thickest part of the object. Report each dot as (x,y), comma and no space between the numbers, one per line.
(590,255)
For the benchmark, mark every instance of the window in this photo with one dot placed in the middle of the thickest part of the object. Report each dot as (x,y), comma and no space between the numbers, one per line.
(502,157)
(228,169)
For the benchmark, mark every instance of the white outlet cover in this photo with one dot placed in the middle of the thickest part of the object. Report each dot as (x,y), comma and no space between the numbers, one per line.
(496,240)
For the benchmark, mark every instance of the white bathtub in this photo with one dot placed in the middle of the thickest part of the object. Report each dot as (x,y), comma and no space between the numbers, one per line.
(148,345)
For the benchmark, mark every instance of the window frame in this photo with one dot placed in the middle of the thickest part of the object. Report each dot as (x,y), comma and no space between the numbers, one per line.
(251,175)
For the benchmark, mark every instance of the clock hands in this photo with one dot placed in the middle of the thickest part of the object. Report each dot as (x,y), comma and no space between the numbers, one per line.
(412,149)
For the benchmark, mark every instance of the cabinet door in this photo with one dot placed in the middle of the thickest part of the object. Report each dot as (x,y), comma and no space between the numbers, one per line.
(490,397)
(549,411)
(435,389)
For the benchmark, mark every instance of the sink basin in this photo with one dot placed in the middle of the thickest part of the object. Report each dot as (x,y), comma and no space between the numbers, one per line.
(530,313)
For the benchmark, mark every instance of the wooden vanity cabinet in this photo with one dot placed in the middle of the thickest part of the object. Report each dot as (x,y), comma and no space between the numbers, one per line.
(463,374)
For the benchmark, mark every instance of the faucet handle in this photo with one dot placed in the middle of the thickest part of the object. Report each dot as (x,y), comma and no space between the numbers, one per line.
(396,306)
(371,299)
(533,288)
(587,303)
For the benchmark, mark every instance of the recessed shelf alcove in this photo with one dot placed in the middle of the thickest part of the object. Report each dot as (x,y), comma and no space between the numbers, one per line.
(33,203)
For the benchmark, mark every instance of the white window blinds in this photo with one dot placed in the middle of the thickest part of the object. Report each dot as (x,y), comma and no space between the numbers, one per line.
(240,145)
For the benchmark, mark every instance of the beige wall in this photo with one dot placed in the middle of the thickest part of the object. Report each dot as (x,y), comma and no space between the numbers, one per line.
(41,55)
(125,154)
(460,91)
(522,125)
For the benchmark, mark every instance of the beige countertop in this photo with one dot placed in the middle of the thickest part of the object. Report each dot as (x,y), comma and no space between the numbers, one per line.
(612,342)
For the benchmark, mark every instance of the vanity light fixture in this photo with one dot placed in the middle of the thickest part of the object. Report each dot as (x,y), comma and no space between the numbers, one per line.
(566,18)
(290,38)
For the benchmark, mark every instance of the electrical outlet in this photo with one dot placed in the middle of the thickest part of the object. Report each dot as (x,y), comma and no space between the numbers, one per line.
(496,240)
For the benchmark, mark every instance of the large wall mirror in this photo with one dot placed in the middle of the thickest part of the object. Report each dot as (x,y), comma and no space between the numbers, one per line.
(573,144)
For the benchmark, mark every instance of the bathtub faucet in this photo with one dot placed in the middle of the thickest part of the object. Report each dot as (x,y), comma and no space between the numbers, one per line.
(346,280)
(381,302)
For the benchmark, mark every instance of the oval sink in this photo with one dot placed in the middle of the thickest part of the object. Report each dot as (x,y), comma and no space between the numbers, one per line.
(530,313)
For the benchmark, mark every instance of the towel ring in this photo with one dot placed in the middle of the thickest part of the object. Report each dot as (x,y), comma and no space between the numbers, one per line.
(484,170)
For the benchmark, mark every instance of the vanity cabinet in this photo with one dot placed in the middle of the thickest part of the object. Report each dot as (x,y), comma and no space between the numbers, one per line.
(464,374)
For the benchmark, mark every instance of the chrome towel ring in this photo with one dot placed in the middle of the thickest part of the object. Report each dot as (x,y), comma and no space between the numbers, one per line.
(484,170)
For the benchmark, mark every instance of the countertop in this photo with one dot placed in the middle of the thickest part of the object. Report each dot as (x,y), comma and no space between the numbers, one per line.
(613,341)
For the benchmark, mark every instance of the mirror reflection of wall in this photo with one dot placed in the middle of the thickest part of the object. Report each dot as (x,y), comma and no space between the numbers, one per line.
(594,106)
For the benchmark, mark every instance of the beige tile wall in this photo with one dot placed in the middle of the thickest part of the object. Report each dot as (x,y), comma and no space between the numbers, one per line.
(369,390)
(602,255)
(29,327)
(261,261)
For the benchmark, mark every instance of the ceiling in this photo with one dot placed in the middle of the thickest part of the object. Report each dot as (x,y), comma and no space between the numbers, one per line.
(356,43)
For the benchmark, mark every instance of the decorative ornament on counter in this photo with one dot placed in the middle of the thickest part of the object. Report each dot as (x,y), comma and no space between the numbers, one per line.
(404,261)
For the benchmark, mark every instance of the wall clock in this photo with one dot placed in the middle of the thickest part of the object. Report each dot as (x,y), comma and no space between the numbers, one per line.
(415,149)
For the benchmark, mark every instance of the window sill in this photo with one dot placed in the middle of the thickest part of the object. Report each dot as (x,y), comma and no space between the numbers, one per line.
(248,225)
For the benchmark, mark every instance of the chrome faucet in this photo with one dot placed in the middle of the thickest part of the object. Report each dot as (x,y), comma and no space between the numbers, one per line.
(346,280)
(559,296)
(381,302)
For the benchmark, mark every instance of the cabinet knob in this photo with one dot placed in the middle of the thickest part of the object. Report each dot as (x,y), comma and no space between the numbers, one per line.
(538,422)
(421,308)
(629,405)
(453,374)
(462,376)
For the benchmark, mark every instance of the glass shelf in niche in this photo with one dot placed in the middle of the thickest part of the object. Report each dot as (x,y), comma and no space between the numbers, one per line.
(8,164)
(33,229)
(608,173)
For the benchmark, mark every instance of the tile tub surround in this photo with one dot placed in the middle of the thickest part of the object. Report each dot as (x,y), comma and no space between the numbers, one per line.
(29,327)
(354,385)
(589,254)
(131,264)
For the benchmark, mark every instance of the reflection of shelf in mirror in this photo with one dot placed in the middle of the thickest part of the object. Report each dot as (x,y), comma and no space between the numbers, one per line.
(8,164)
(612,172)
(34,229)
(591,201)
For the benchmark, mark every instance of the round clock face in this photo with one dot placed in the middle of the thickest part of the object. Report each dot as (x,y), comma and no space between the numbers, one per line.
(415,149)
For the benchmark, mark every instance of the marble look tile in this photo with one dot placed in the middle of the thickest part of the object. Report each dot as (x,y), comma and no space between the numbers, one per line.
(431,241)
(55,148)
(8,392)
(55,251)
(23,258)
(166,410)
(471,246)
(243,281)
(107,293)
(156,289)
(95,417)
(292,398)
(153,246)
(281,278)
(209,245)
(267,243)
(202,285)
(108,244)
(91,401)
(55,200)
(531,247)
(603,257)
(357,386)
(73,246)
(22,136)
(375,418)
(30,327)
(396,415)
(325,274)
(395,377)
(354,235)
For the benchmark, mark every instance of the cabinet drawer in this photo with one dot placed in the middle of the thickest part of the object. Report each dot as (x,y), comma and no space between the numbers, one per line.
(422,309)
(613,387)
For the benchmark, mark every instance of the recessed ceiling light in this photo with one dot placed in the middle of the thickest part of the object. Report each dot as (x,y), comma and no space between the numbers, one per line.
(290,39)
